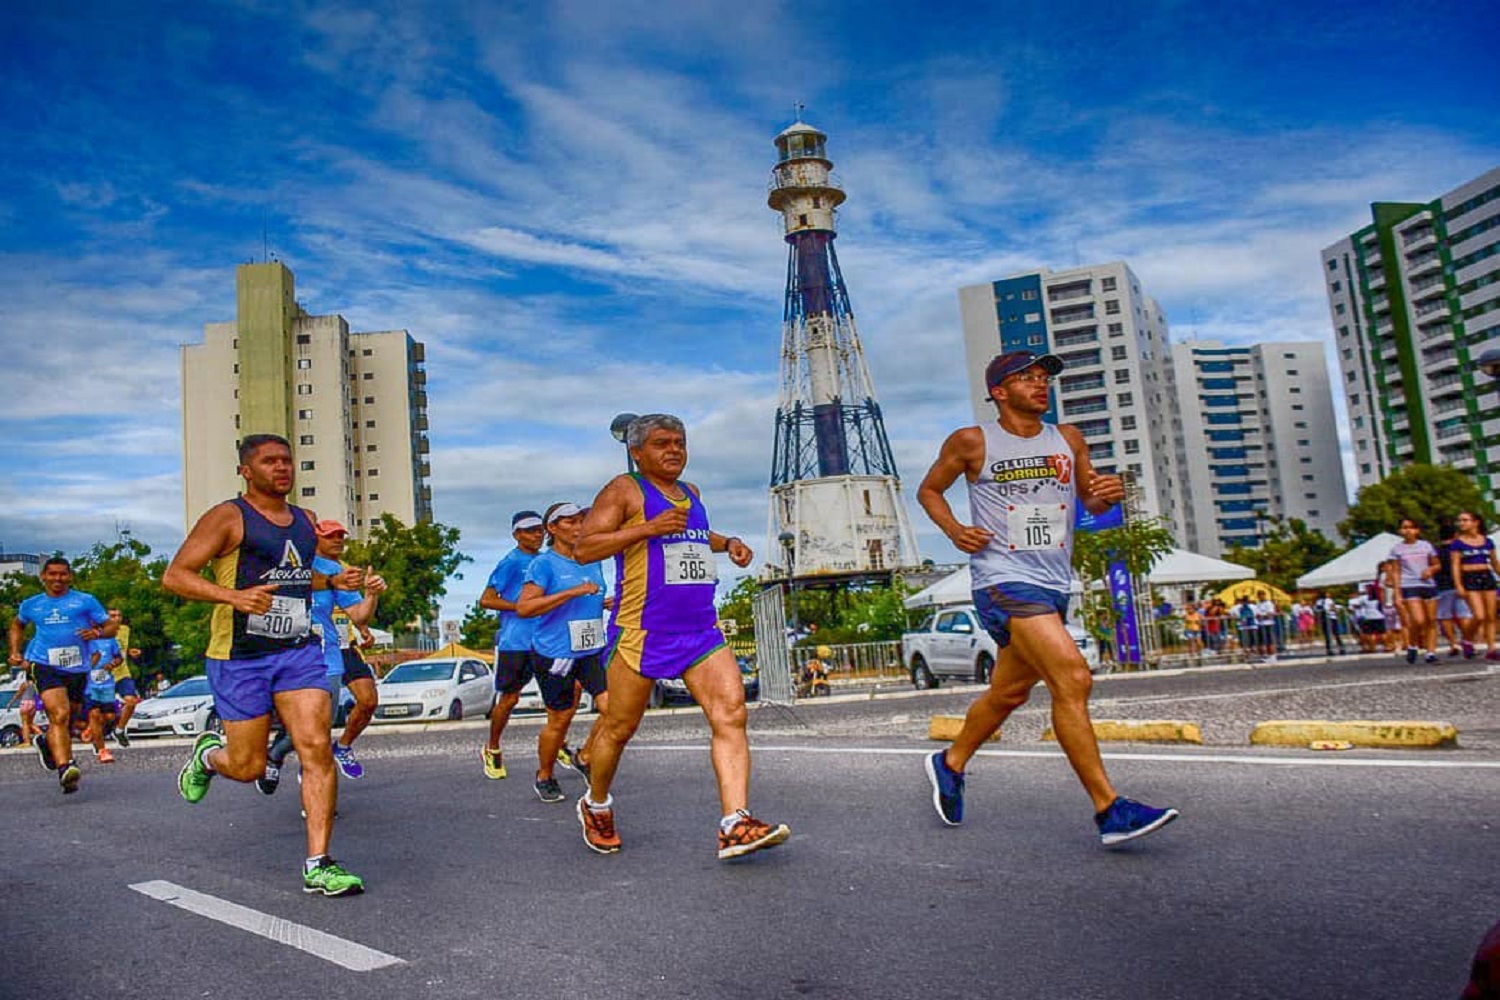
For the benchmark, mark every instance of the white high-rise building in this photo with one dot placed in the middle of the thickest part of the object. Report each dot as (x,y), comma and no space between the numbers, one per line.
(1113,339)
(1255,438)
(353,406)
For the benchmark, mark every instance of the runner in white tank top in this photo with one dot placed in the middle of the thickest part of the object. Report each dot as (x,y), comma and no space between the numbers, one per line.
(1025,478)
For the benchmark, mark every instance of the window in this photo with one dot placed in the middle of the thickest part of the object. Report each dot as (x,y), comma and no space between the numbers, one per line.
(369,423)
(304,389)
(303,363)
(309,491)
(367,352)
(369,447)
(1291,371)
(1127,423)
(372,473)
(1338,307)
(1132,447)
(304,414)
(304,338)
(1309,496)
(1301,425)
(307,466)
(1298,406)
(1125,399)
(1335,286)
(1364,469)
(374,496)
(1116,329)
(1309,479)
(1028,293)
(1112,307)
(1333,265)
(1117,353)
(1106,284)
(369,399)
(236,368)
(305,439)
(1122,377)
(236,393)
(1343,331)
(1296,388)
(1312,513)
(1033,317)
(368,376)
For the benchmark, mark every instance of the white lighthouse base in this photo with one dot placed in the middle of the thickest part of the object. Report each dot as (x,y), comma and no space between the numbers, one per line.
(844,525)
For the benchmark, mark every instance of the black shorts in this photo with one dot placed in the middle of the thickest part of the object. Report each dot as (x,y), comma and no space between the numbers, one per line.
(355,667)
(49,677)
(558,678)
(514,667)
(1372,626)
(1477,579)
(106,707)
(1419,593)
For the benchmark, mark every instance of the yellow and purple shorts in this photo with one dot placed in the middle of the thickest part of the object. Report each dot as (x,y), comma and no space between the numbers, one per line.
(662,655)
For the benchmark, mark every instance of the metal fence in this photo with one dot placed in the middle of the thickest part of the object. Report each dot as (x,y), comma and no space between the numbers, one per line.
(771,653)
(856,661)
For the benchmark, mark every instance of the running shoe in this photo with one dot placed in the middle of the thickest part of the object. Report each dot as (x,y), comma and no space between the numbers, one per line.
(598,828)
(494,762)
(267,783)
(1468,651)
(1126,819)
(1411,654)
(105,757)
(1430,658)
(947,789)
(1493,654)
(548,790)
(347,762)
(121,737)
(44,752)
(566,755)
(749,834)
(68,777)
(330,879)
(193,779)
(1453,653)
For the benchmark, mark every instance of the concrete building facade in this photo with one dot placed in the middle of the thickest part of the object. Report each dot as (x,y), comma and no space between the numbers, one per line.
(1114,341)
(1414,298)
(353,405)
(1255,438)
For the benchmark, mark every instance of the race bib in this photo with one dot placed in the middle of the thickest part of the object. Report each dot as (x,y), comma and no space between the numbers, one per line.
(689,562)
(65,656)
(100,676)
(1032,527)
(287,619)
(586,635)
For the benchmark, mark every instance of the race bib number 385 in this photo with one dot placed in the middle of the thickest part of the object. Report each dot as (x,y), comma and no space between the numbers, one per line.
(287,619)
(1033,527)
(689,562)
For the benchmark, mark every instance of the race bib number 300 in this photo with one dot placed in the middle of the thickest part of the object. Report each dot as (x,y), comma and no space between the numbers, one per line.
(689,562)
(1033,527)
(287,619)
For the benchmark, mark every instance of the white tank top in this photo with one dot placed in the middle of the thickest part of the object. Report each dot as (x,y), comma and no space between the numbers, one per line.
(1026,497)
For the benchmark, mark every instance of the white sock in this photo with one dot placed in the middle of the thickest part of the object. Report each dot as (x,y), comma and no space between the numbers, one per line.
(608,803)
(311,863)
(203,759)
(726,823)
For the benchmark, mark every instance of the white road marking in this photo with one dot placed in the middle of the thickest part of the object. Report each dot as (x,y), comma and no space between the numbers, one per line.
(349,954)
(1322,760)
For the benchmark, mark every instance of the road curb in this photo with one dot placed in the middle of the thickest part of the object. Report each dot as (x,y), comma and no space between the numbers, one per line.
(1141,731)
(1387,734)
(946,728)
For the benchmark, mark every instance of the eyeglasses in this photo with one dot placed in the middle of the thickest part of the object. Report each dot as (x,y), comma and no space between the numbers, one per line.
(1035,378)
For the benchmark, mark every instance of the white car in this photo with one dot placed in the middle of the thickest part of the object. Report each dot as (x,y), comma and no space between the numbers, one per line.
(443,688)
(184,709)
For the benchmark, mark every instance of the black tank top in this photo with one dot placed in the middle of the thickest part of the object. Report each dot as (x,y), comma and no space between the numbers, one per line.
(268,553)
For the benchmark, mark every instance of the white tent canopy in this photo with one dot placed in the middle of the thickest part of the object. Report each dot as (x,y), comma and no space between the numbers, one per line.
(1358,565)
(1177,566)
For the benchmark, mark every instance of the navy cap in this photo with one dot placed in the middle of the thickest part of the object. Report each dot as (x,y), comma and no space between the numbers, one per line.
(1012,362)
(525,520)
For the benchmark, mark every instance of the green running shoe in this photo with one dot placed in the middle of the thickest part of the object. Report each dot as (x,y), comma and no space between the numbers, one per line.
(193,779)
(330,879)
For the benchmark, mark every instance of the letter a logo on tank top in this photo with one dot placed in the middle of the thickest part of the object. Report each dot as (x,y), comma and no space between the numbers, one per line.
(289,557)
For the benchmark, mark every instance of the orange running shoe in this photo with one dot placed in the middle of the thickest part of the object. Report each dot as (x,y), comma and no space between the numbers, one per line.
(105,757)
(598,828)
(750,834)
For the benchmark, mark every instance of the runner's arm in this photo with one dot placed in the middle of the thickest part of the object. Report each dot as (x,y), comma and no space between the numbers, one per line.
(1455,567)
(962,454)
(732,545)
(492,601)
(534,602)
(213,534)
(17,638)
(604,534)
(1097,492)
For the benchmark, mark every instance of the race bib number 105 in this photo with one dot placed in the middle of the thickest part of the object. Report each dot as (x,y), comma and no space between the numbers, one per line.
(287,619)
(689,562)
(1032,527)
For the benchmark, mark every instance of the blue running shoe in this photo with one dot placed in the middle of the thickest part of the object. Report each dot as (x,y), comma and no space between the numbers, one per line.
(347,762)
(1126,819)
(947,789)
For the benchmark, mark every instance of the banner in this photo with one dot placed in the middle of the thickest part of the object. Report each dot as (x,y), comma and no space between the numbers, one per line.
(1122,592)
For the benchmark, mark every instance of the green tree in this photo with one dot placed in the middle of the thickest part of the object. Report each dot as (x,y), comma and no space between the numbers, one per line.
(1138,543)
(416,562)
(738,605)
(477,631)
(1432,494)
(1288,549)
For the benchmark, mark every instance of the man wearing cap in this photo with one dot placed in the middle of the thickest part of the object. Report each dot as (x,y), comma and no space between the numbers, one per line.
(1025,479)
(515,663)
(565,599)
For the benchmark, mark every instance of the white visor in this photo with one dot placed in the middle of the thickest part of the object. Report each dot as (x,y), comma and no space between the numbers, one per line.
(566,510)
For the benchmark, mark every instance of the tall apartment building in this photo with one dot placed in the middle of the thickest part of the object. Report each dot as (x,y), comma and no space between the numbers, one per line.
(1414,298)
(1255,437)
(1114,341)
(353,405)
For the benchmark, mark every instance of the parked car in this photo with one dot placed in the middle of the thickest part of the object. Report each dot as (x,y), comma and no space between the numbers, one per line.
(184,709)
(950,644)
(439,688)
(674,691)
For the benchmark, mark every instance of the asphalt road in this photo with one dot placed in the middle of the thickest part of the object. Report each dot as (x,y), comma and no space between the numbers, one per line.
(1291,874)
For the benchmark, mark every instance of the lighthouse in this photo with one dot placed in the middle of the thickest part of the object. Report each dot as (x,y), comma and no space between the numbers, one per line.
(836,506)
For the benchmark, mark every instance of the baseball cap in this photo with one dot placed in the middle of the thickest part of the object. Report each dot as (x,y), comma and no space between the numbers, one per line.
(329,528)
(565,510)
(1012,362)
(525,520)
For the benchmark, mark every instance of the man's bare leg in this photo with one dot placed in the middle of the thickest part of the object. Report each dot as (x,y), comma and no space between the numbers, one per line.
(716,686)
(307,716)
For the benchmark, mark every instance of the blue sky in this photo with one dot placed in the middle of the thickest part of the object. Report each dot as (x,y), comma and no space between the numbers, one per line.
(566,203)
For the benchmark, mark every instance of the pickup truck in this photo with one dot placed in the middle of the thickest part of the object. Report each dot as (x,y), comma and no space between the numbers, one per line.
(950,644)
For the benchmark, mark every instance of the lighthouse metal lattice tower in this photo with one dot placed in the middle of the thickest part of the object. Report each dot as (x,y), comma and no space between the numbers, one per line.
(836,499)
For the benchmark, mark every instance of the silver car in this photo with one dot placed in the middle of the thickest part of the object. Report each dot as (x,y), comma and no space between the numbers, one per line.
(184,709)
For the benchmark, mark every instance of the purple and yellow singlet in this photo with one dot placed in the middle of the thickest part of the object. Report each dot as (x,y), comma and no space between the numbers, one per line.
(667,583)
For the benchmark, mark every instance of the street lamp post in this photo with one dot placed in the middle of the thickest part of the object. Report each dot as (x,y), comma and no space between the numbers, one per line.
(618,428)
(788,545)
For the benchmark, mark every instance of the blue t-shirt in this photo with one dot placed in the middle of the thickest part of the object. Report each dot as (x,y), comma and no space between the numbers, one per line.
(108,650)
(101,686)
(58,621)
(575,628)
(514,633)
(323,603)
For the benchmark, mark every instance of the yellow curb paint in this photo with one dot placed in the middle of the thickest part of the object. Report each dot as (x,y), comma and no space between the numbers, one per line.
(1392,734)
(946,728)
(1140,731)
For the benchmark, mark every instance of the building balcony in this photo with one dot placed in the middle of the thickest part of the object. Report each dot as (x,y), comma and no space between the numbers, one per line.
(1418,238)
(423,447)
(1424,263)
(1082,359)
(1090,404)
(419,399)
(1076,338)
(1067,293)
(425,469)
(1456,430)
(1073,314)
(1081,383)
(1377,280)
(418,352)
(1432,309)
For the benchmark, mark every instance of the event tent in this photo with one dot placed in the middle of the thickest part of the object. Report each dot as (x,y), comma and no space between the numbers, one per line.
(1358,565)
